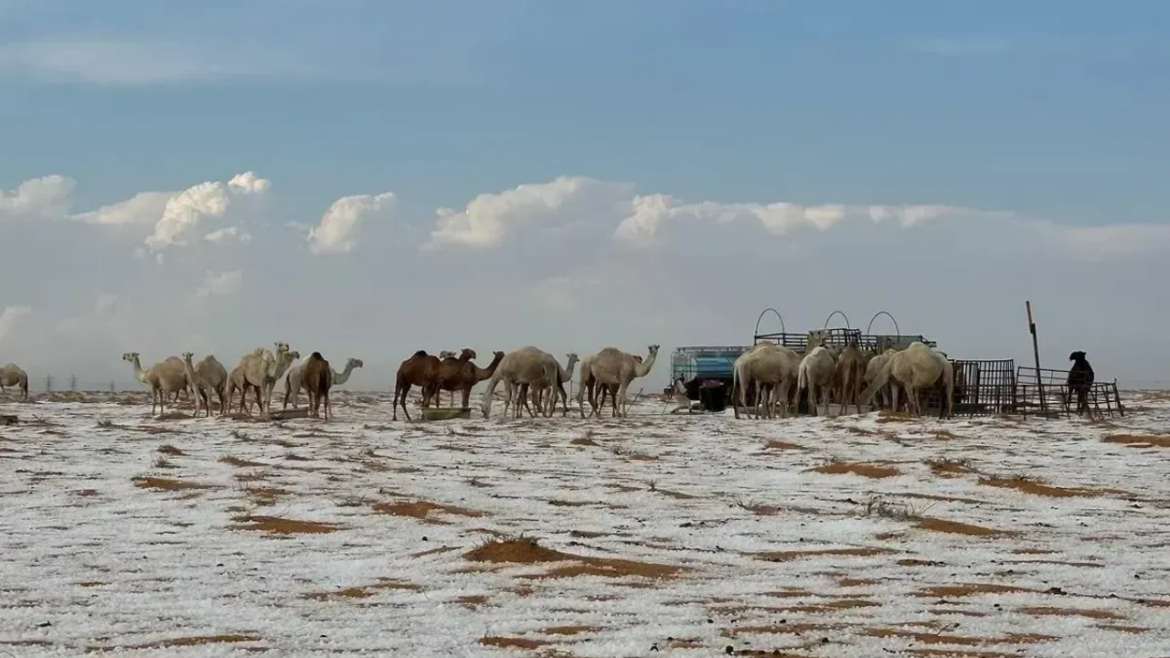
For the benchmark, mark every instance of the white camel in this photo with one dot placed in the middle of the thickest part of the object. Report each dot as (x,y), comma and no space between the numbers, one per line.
(293,378)
(916,368)
(850,370)
(872,369)
(773,369)
(12,375)
(163,378)
(817,369)
(612,366)
(564,375)
(212,372)
(261,369)
(201,388)
(526,365)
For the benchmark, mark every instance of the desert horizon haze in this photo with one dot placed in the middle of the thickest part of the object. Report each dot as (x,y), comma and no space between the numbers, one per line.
(367,180)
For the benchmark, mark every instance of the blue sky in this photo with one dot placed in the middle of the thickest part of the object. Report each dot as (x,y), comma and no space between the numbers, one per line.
(1051,111)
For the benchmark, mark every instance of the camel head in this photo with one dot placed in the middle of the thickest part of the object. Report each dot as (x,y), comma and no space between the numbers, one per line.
(187,356)
(354,363)
(130,356)
(653,350)
(466,354)
(1077,356)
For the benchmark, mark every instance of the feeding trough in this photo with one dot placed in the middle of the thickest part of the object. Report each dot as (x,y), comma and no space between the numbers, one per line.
(445,413)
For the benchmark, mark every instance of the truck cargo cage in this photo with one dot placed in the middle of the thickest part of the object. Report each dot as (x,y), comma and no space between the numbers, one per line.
(1051,387)
(982,388)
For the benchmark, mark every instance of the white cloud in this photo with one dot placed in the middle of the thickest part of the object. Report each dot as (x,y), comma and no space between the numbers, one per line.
(229,235)
(11,317)
(220,283)
(184,211)
(46,196)
(488,218)
(337,232)
(142,208)
(128,62)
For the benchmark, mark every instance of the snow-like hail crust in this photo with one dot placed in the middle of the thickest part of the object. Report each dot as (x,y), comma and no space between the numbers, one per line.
(660,535)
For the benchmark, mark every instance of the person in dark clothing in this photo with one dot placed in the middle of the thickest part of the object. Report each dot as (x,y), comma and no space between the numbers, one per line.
(1080,380)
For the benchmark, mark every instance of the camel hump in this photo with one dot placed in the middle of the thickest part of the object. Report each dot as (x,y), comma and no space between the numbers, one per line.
(420,353)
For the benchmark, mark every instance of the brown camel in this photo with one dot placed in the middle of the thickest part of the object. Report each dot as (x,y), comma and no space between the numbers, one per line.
(317,378)
(420,370)
(469,376)
(450,375)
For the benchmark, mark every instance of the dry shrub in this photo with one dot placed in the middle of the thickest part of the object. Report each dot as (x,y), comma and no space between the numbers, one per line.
(523,550)
(949,468)
(891,509)
(1140,440)
(167,484)
(170,450)
(785,556)
(875,471)
(280,526)
(422,510)
(783,445)
(239,461)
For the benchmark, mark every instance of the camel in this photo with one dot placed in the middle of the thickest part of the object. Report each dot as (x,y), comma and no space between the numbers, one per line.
(12,375)
(875,365)
(449,376)
(1080,381)
(292,379)
(202,398)
(816,372)
(681,399)
(237,381)
(421,370)
(850,370)
(317,378)
(162,377)
(587,385)
(468,376)
(917,367)
(564,374)
(526,365)
(260,369)
(443,356)
(612,366)
(770,367)
(212,372)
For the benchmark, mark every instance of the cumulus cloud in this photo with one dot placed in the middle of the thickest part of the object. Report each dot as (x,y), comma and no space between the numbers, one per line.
(185,210)
(337,231)
(47,196)
(230,234)
(490,217)
(11,317)
(220,283)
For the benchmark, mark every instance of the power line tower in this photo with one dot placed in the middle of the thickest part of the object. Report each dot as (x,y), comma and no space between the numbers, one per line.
(48,383)
(73,383)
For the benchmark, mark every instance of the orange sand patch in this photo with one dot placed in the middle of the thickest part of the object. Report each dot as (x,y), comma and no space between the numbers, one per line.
(957,528)
(782,445)
(511,642)
(1132,630)
(473,600)
(784,556)
(584,442)
(856,582)
(959,640)
(876,471)
(170,450)
(1140,440)
(961,653)
(167,484)
(422,510)
(527,551)
(1037,488)
(1047,611)
(948,468)
(191,641)
(969,589)
(362,592)
(280,526)
(569,630)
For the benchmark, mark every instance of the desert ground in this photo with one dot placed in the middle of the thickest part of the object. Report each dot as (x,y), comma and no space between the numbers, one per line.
(656,535)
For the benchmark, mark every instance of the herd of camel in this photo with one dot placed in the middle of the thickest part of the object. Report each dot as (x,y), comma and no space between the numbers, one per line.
(776,374)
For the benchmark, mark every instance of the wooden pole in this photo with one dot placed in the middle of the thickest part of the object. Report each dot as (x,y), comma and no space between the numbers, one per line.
(1036,355)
